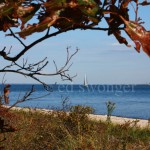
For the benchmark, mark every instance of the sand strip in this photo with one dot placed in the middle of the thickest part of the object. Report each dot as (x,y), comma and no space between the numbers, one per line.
(116,120)
(121,120)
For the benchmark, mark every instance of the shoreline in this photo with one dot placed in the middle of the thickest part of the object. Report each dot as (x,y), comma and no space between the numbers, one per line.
(142,123)
(122,120)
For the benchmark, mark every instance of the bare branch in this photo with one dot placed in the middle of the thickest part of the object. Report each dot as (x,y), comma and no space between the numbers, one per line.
(40,61)
(3,49)
(55,66)
(47,33)
(16,37)
(34,70)
(9,50)
(135,10)
(27,97)
(62,71)
(9,66)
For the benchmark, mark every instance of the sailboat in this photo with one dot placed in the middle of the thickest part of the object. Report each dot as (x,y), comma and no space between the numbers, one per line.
(85,81)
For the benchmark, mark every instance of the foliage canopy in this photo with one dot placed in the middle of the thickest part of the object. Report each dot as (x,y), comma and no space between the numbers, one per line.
(67,15)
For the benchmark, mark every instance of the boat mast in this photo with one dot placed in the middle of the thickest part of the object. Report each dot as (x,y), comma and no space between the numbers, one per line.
(85,81)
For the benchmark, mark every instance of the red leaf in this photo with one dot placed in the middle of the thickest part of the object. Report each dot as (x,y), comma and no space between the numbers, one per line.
(139,35)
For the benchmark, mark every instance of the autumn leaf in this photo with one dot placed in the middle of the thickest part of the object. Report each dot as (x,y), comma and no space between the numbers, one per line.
(59,14)
(144,3)
(26,13)
(30,29)
(6,17)
(139,35)
(6,93)
(62,14)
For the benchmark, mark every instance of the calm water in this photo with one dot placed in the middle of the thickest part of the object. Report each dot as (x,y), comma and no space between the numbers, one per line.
(131,100)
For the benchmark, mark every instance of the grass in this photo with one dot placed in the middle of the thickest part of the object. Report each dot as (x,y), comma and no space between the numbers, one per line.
(74,131)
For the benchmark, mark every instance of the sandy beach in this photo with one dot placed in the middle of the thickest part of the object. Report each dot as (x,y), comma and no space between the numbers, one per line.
(116,120)
(121,120)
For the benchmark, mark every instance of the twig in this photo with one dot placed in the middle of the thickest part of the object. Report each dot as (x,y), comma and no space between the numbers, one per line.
(34,70)
(27,97)
(16,37)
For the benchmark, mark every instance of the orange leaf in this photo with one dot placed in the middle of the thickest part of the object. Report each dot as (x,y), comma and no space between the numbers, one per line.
(6,93)
(139,35)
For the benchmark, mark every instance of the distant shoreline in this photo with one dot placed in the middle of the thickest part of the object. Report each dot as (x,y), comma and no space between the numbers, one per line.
(80,84)
(142,123)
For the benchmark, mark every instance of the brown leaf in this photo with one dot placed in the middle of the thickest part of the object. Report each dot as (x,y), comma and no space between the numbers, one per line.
(138,46)
(121,39)
(30,29)
(26,13)
(113,30)
(6,93)
(144,3)
(139,35)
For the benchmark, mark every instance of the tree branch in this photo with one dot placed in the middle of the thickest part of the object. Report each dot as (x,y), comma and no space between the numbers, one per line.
(34,70)
(27,97)
(12,33)
(15,58)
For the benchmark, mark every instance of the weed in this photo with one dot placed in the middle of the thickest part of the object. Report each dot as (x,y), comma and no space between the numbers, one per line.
(110,108)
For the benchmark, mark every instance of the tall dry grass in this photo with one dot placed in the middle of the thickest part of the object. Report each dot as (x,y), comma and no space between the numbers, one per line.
(74,131)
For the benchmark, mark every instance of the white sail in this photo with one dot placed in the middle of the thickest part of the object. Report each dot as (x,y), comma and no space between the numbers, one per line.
(85,81)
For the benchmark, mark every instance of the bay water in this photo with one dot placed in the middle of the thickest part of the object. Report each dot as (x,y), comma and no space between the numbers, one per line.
(132,101)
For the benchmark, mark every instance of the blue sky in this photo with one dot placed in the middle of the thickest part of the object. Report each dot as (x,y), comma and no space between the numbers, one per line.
(100,57)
